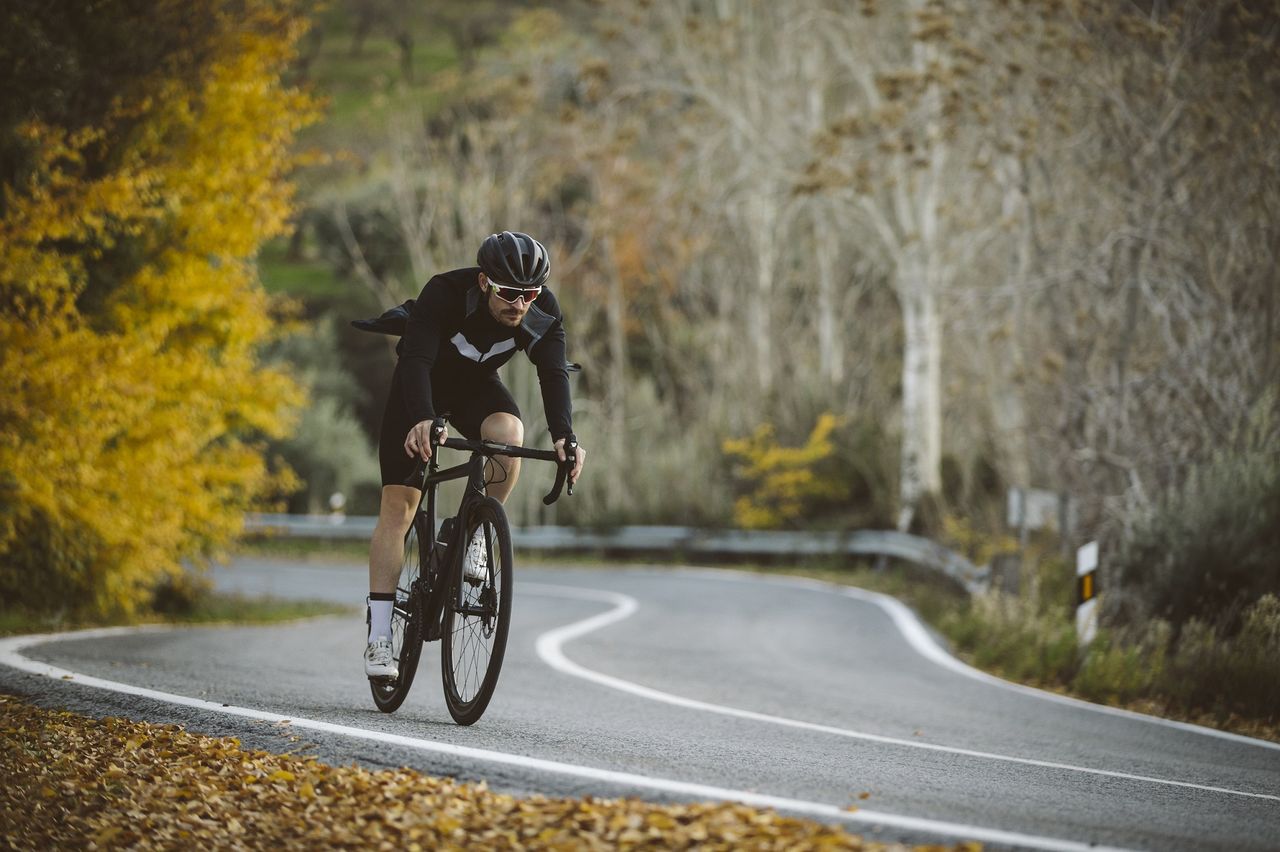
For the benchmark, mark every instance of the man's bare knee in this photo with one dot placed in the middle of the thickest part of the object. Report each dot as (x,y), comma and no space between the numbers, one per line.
(397,507)
(503,428)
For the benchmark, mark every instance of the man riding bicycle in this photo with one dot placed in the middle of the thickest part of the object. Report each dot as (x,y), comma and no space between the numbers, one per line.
(464,326)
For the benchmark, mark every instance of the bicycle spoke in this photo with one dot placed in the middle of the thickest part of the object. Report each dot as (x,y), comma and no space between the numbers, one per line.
(472,651)
(473,634)
(476,634)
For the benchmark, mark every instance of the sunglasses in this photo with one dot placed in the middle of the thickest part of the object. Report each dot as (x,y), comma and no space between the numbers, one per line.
(511,294)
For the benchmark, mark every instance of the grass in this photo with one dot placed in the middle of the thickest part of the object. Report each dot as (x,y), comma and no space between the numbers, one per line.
(239,609)
(310,279)
(304,549)
(208,608)
(931,595)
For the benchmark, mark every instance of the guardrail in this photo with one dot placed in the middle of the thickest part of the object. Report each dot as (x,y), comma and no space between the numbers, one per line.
(705,542)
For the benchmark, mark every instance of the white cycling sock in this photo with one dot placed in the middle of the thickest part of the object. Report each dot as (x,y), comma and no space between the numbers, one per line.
(380,617)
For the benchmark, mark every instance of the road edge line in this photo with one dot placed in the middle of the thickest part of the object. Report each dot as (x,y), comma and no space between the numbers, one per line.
(921,639)
(12,646)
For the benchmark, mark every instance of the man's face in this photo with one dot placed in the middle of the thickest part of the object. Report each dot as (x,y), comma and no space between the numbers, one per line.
(508,313)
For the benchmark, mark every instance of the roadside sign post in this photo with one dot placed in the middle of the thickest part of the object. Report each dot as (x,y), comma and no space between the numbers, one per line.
(1087,593)
(1028,509)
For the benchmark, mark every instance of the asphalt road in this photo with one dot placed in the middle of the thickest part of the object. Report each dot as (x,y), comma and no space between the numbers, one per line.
(687,685)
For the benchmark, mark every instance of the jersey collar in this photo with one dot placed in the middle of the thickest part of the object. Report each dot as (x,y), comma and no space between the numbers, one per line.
(473,300)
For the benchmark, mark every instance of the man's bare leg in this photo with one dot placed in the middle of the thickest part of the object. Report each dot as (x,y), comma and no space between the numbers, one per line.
(503,471)
(386,551)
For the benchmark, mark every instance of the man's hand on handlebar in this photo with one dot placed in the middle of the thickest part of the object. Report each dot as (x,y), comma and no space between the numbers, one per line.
(418,443)
(580,458)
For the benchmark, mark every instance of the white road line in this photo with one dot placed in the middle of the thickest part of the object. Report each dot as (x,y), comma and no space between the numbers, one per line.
(10,655)
(919,638)
(550,647)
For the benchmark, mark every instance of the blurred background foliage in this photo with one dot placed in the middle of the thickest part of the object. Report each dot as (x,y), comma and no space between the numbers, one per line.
(827,265)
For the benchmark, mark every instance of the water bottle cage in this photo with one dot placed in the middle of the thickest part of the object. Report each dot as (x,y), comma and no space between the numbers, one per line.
(440,551)
(445,535)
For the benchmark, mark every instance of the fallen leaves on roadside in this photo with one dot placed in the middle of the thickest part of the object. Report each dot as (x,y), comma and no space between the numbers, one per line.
(71,781)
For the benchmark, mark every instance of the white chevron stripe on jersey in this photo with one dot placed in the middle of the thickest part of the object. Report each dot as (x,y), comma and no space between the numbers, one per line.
(467,350)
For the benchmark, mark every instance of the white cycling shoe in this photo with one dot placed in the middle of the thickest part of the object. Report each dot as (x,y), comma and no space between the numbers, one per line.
(379,662)
(475,565)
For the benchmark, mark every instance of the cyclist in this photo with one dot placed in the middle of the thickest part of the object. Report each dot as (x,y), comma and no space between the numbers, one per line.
(464,326)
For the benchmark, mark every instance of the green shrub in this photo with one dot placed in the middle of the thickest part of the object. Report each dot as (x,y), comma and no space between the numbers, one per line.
(1015,637)
(1053,584)
(1122,667)
(975,543)
(329,449)
(181,594)
(867,462)
(1197,670)
(1211,548)
(1226,675)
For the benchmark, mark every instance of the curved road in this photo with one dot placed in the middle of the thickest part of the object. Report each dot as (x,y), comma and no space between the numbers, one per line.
(687,684)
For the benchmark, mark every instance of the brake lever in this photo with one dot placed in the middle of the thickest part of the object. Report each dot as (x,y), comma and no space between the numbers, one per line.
(570,460)
(554,495)
(562,472)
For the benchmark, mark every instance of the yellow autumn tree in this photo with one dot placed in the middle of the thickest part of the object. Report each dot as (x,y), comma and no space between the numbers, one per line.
(145,153)
(782,484)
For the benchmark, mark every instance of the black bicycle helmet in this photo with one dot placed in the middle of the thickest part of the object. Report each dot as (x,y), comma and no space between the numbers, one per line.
(514,259)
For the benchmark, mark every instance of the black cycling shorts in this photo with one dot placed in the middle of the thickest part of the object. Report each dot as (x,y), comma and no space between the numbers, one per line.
(466,404)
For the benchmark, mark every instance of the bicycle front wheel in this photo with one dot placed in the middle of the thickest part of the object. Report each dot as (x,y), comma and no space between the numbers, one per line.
(476,620)
(406,620)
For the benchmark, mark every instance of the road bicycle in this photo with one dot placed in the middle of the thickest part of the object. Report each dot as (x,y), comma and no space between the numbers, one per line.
(435,600)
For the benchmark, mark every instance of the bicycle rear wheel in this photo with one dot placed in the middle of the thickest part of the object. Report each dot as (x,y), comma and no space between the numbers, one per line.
(406,620)
(475,632)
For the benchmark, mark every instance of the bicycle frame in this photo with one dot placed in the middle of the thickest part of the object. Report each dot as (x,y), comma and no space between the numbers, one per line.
(435,593)
(473,470)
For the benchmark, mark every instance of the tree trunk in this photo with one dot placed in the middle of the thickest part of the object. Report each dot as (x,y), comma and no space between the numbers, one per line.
(1008,360)
(825,244)
(921,392)
(763,215)
(920,281)
(824,253)
(616,496)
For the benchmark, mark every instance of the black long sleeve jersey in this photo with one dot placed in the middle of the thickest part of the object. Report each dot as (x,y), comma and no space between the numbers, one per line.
(450,333)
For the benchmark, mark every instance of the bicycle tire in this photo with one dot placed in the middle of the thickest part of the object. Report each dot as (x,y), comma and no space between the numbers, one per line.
(473,644)
(406,620)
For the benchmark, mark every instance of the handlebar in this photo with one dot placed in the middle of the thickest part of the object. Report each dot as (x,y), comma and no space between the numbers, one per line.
(491,448)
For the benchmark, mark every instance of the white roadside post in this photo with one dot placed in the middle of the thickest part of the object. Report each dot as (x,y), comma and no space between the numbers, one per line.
(1087,593)
(337,501)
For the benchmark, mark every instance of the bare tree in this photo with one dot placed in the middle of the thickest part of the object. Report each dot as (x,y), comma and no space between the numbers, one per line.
(1062,219)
